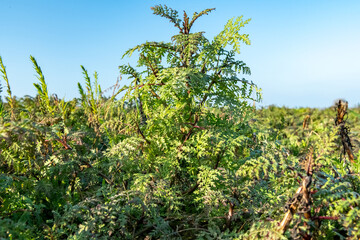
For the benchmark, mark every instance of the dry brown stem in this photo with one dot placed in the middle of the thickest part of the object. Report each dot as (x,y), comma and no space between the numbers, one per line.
(341,108)
(301,198)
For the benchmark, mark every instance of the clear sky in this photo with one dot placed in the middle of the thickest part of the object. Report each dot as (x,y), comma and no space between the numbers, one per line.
(303,53)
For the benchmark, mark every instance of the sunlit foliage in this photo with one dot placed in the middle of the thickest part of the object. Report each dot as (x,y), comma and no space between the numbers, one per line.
(182,154)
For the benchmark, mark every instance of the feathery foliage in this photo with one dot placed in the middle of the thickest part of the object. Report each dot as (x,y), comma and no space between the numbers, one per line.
(42,88)
(181,155)
(9,98)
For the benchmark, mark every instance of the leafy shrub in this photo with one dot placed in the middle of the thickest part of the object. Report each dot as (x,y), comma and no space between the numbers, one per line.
(182,155)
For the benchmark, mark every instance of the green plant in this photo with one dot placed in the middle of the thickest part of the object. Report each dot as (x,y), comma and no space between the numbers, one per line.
(9,98)
(42,89)
(182,154)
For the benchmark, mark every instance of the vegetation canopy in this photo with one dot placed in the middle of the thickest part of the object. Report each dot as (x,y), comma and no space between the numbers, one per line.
(183,154)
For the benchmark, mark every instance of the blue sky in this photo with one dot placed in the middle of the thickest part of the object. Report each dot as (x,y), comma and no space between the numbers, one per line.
(303,53)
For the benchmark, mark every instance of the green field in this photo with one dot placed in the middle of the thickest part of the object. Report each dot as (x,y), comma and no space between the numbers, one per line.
(179,153)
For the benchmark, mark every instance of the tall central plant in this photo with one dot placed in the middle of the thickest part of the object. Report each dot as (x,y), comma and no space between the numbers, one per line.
(191,111)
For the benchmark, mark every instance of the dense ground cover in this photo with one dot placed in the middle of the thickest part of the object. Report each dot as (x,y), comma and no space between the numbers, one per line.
(182,155)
